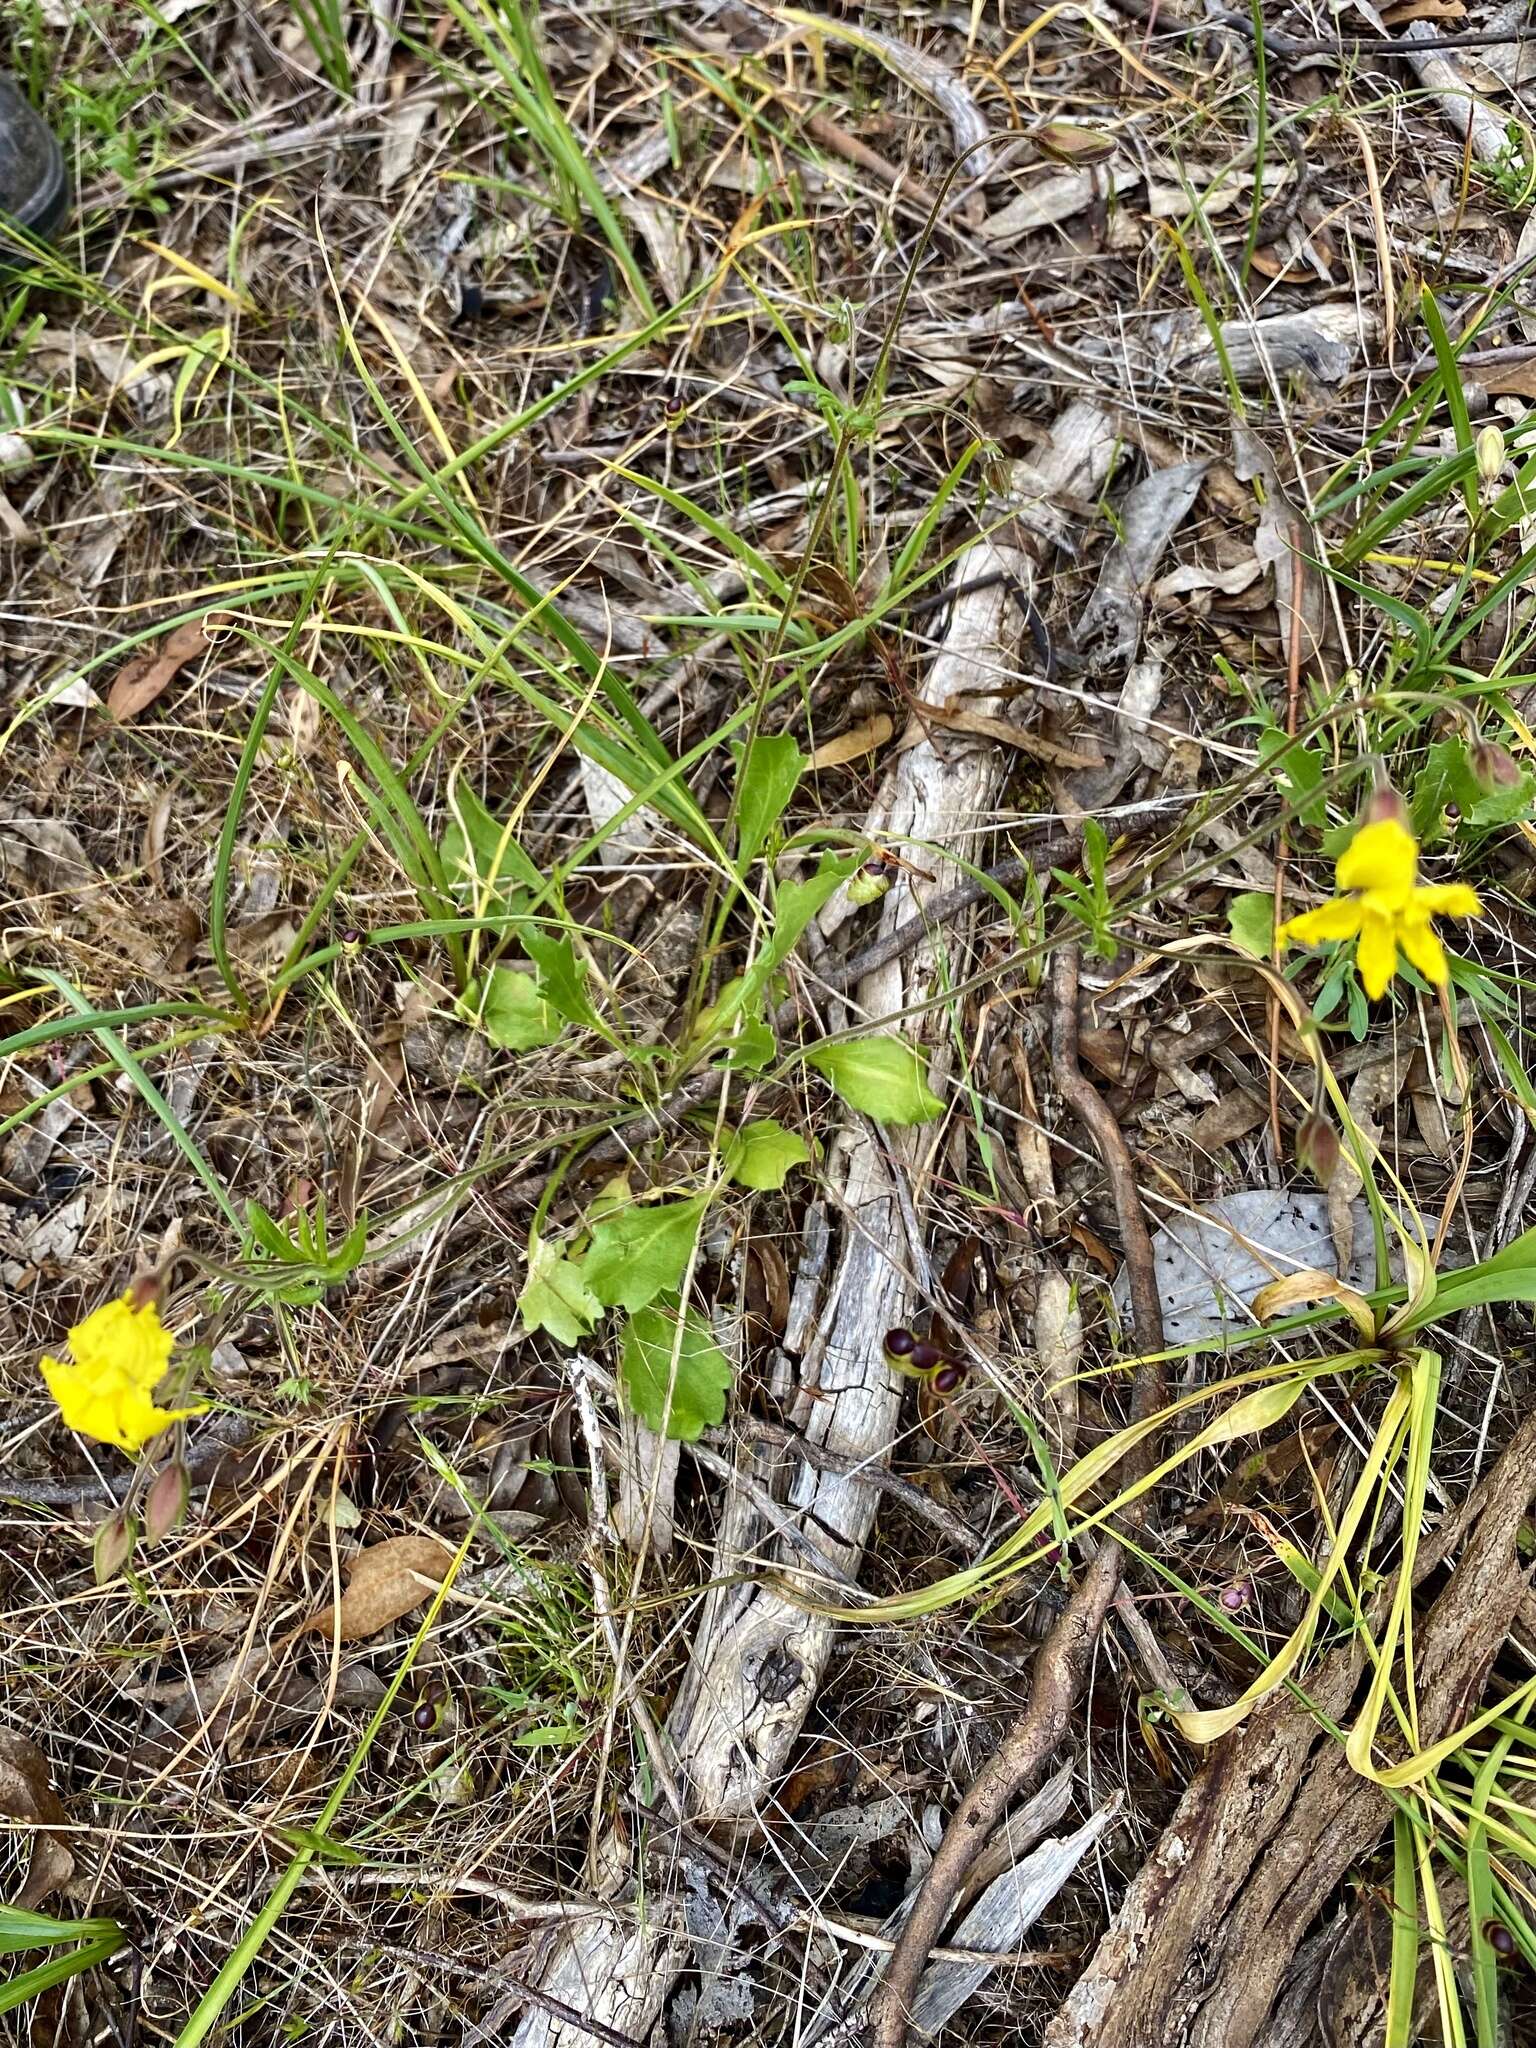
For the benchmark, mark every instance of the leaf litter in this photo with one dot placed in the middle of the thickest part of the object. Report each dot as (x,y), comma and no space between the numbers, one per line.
(1048,482)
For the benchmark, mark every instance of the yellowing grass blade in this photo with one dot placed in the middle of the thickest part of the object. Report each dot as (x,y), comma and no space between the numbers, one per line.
(1218,1721)
(1426,1760)
(1276,1388)
(1424,1382)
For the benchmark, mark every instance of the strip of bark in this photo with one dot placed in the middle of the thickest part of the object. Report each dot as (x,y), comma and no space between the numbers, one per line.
(1201,1947)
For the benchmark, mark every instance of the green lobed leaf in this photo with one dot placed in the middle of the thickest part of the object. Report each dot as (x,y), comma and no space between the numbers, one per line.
(1298,769)
(513,1014)
(1447,778)
(761,1155)
(745,1039)
(884,1077)
(556,1296)
(664,1352)
(795,904)
(639,1252)
(562,977)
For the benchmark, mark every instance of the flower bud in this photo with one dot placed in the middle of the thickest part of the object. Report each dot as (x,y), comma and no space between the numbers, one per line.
(113,1545)
(165,1506)
(867,888)
(1317,1148)
(1490,454)
(1067,142)
(1493,767)
(144,1290)
(1383,803)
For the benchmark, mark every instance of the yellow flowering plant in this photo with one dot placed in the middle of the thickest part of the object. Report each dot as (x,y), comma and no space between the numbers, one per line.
(120,1355)
(1383,906)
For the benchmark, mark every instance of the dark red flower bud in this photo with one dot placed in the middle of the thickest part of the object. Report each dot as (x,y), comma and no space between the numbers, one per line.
(1317,1148)
(900,1343)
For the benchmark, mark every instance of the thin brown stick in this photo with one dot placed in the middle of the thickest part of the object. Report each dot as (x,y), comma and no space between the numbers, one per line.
(517,1990)
(225,1436)
(1061,1668)
(1055,842)
(1094,1112)
(1060,1671)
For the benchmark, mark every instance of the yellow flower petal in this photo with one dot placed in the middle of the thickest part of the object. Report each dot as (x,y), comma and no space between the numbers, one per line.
(1339,919)
(1376,955)
(128,1339)
(122,1352)
(1417,938)
(1445,899)
(1382,856)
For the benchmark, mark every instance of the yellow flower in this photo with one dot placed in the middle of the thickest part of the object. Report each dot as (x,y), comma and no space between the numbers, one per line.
(1390,909)
(121,1354)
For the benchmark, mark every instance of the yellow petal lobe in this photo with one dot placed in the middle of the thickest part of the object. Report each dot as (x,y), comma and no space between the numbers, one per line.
(1376,955)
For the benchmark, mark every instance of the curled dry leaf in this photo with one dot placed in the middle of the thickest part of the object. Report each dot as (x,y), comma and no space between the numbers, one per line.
(384,1582)
(1285,544)
(982,726)
(27,1795)
(852,745)
(141,679)
(1055,196)
(1301,1290)
(1059,1353)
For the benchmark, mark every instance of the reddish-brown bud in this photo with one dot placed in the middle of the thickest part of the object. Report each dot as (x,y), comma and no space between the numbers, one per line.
(1384,802)
(1317,1148)
(165,1505)
(144,1290)
(1069,143)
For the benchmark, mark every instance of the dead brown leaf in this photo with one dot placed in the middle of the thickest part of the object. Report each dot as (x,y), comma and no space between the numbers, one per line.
(857,741)
(384,1582)
(1516,380)
(27,1795)
(1423,10)
(141,679)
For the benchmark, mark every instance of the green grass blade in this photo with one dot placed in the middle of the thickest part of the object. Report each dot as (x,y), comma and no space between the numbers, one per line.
(1403,1973)
(184,1141)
